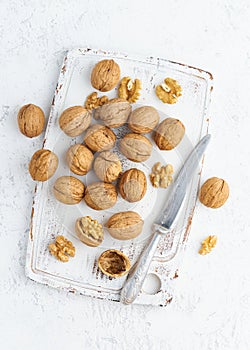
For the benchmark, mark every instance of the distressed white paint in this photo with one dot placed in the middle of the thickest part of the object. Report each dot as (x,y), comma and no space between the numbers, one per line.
(212,306)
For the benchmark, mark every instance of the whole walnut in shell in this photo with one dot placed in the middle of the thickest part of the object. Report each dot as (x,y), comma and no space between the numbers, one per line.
(169,133)
(125,225)
(133,185)
(79,159)
(143,119)
(114,113)
(89,231)
(68,190)
(43,165)
(74,120)
(107,166)
(100,195)
(214,192)
(105,75)
(114,263)
(31,120)
(99,138)
(136,147)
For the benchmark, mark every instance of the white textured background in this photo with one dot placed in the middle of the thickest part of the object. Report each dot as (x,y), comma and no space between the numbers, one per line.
(212,306)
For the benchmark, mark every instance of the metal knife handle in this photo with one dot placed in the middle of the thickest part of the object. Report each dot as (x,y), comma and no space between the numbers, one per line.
(134,282)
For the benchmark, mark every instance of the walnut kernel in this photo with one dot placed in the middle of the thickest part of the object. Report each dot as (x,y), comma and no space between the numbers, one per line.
(169,91)
(114,263)
(129,90)
(62,249)
(89,231)
(161,176)
(93,101)
(207,245)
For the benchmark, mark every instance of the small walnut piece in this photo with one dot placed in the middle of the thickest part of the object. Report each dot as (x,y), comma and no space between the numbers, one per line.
(129,90)
(68,190)
(43,165)
(125,225)
(207,245)
(105,75)
(136,147)
(62,249)
(99,138)
(169,133)
(169,91)
(31,120)
(161,176)
(89,231)
(114,263)
(143,119)
(133,185)
(93,101)
(214,192)
(107,166)
(100,195)
(74,120)
(115,113)
(79,159)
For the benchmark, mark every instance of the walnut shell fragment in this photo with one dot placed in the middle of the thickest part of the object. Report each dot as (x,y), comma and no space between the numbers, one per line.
(214,192)
(107,166)
(169,133)
(125,225)
(133,185)
(143,119)
(100,195)
(79,159)
(114,113)
(136,147)
(99,138)
(31,120)
(105,75)
(169,91)
(114,263)
(129,90)
(43,165)
(89,231)
(68,190)
(74,120)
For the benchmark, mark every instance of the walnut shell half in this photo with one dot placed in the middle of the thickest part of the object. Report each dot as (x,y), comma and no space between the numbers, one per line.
(31,120)
(133,185)
(79,159)
(105,75)
(143,119)
(169,133)
(74,120)
(114,263)
(99,138)
(68,190)
(43,165)
(100,195)
(136,147)
(89,231)
(125,225)
(214,192)
(107,166)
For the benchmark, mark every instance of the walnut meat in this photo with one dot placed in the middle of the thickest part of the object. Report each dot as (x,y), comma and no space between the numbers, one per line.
(143,119)
(31,120)
(107,166)
(43,165)
(207,245)
(214,192)
(136,147)
(125,225)
(79,159)
(74,120)
(169,91)
(100,195)
(99,138)
(93,101)
(89,231)
(129,90)
(114,263)
(68,190)
(105,75)
(114,113)
(62,249)
(169,133)
(133,185)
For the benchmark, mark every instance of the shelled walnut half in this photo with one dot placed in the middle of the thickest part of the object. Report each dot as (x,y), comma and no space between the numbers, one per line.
(207,245)
(161,176)
(169,91)
(62,249)
(93,101)
(129,89)
(114,263)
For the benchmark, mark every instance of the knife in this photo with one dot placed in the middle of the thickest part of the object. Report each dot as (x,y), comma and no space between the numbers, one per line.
(163,223)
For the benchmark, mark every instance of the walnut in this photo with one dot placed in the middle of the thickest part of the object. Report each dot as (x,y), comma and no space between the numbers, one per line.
(114,263)
(100,195)
(68,190)
(62,249)
(43,165)
(125,225)
(107,166)
(99,138)
(207,245)
(133,185)
(93,101)
(115,113)
(136,147)
(89,231)
(74,120)
(161,176)
(169,133)
(79,159)
(31,120)
(129,90)
(105,75)
(169,91)
(214,192)
(143,119)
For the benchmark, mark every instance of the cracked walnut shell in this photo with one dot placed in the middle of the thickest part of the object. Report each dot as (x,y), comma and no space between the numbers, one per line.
(107,166)
(89,231)
(133,185)
(105,75)
(214,192)
(169,133)
(62,249)
(31,120)
(43,165)
(74,120)
(100,195)
(129,90)
(143,119)
(114,263)
(169,91)
(99,138)
(68,190)
(125,225)
(79,159)
(136,147)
